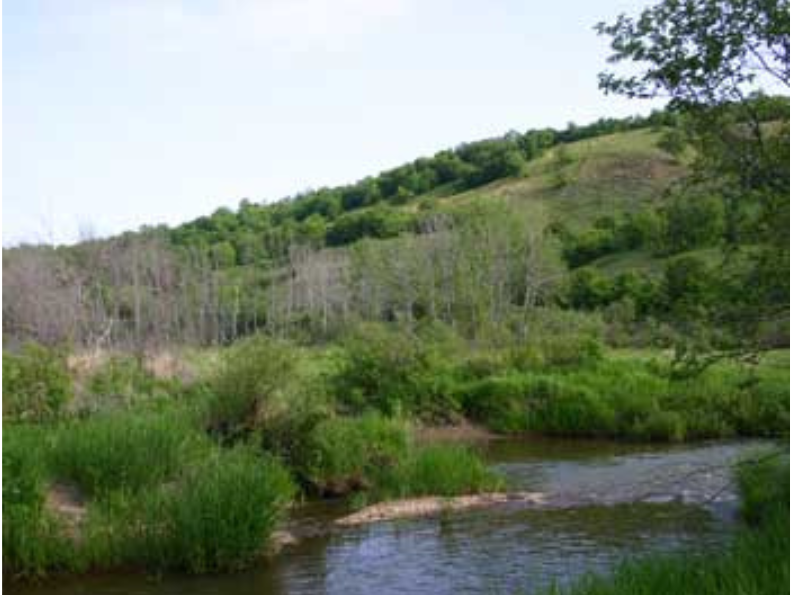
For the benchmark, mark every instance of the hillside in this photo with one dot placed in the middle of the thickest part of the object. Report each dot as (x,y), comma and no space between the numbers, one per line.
(476,236)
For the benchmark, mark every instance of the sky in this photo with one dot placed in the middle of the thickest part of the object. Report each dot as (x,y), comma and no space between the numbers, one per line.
(120,113)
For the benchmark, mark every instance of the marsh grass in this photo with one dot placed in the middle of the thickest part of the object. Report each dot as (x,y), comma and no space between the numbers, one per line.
(445,470)
(218,517)
(123,451)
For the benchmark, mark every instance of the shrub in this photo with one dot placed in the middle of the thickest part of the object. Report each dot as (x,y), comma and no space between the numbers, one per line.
(499,402)
(219,516)
(127,451)
(36,384)
(395,371)
(561,408)
(347,454)
(254,374)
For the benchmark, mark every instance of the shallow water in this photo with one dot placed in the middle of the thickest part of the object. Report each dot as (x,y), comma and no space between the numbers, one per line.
(683,501)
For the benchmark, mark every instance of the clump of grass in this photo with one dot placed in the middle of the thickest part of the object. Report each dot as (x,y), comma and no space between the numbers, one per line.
(631,399)
(123,451)
(445,470)
(219,516)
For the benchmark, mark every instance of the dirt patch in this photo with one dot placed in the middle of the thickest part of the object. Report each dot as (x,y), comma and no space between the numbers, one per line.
(68,504)
(434,505)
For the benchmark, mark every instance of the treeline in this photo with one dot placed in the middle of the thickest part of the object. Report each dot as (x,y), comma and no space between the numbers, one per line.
(136,292)
(342,215)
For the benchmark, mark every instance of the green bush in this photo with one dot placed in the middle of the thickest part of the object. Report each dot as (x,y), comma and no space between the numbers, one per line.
(499,402)
(348,454)
(253,377)
(219,516)
(37,386)
(123,451)
(561,408)
(396,371)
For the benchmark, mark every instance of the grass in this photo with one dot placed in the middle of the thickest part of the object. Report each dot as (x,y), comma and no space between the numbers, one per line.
(632,398)
(756,563)
(123,451)
(219,516)
(33,539)
(443,470)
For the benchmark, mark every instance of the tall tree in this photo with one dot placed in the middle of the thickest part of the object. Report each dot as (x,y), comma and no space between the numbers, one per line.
(713,59)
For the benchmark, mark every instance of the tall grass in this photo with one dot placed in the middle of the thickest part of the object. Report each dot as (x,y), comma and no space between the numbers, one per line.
(123,451)
(443,470)
(219,516)
(33,539)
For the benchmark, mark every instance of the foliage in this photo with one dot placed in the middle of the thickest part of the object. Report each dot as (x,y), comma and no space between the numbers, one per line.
(394,370)
(251,379)
(713,60)
(630,399)
(349,454)
(123,451)
(34,542)
(37,386)
(439,470)
(219,516)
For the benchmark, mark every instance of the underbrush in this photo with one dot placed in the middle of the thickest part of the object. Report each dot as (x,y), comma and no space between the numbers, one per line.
(756,563)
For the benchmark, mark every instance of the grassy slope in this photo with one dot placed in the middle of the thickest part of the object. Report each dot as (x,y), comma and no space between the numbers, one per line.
(603,175)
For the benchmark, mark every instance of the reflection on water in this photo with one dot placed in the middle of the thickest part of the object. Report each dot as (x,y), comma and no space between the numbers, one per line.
(499,550)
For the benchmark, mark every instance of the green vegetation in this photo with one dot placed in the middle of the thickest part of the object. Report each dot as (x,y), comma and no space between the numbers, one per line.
(757,562)
(218,517)
(498,282)
(36,384)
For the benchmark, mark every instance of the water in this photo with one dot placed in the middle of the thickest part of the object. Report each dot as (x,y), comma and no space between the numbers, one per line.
(685,502)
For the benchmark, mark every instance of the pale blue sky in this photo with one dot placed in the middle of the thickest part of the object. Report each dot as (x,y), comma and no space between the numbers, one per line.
(123,113)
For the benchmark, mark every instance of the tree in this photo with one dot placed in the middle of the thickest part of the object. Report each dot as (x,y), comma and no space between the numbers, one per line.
(713,59)
(701,52)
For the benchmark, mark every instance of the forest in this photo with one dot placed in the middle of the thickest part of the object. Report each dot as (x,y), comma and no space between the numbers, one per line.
(172,394)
